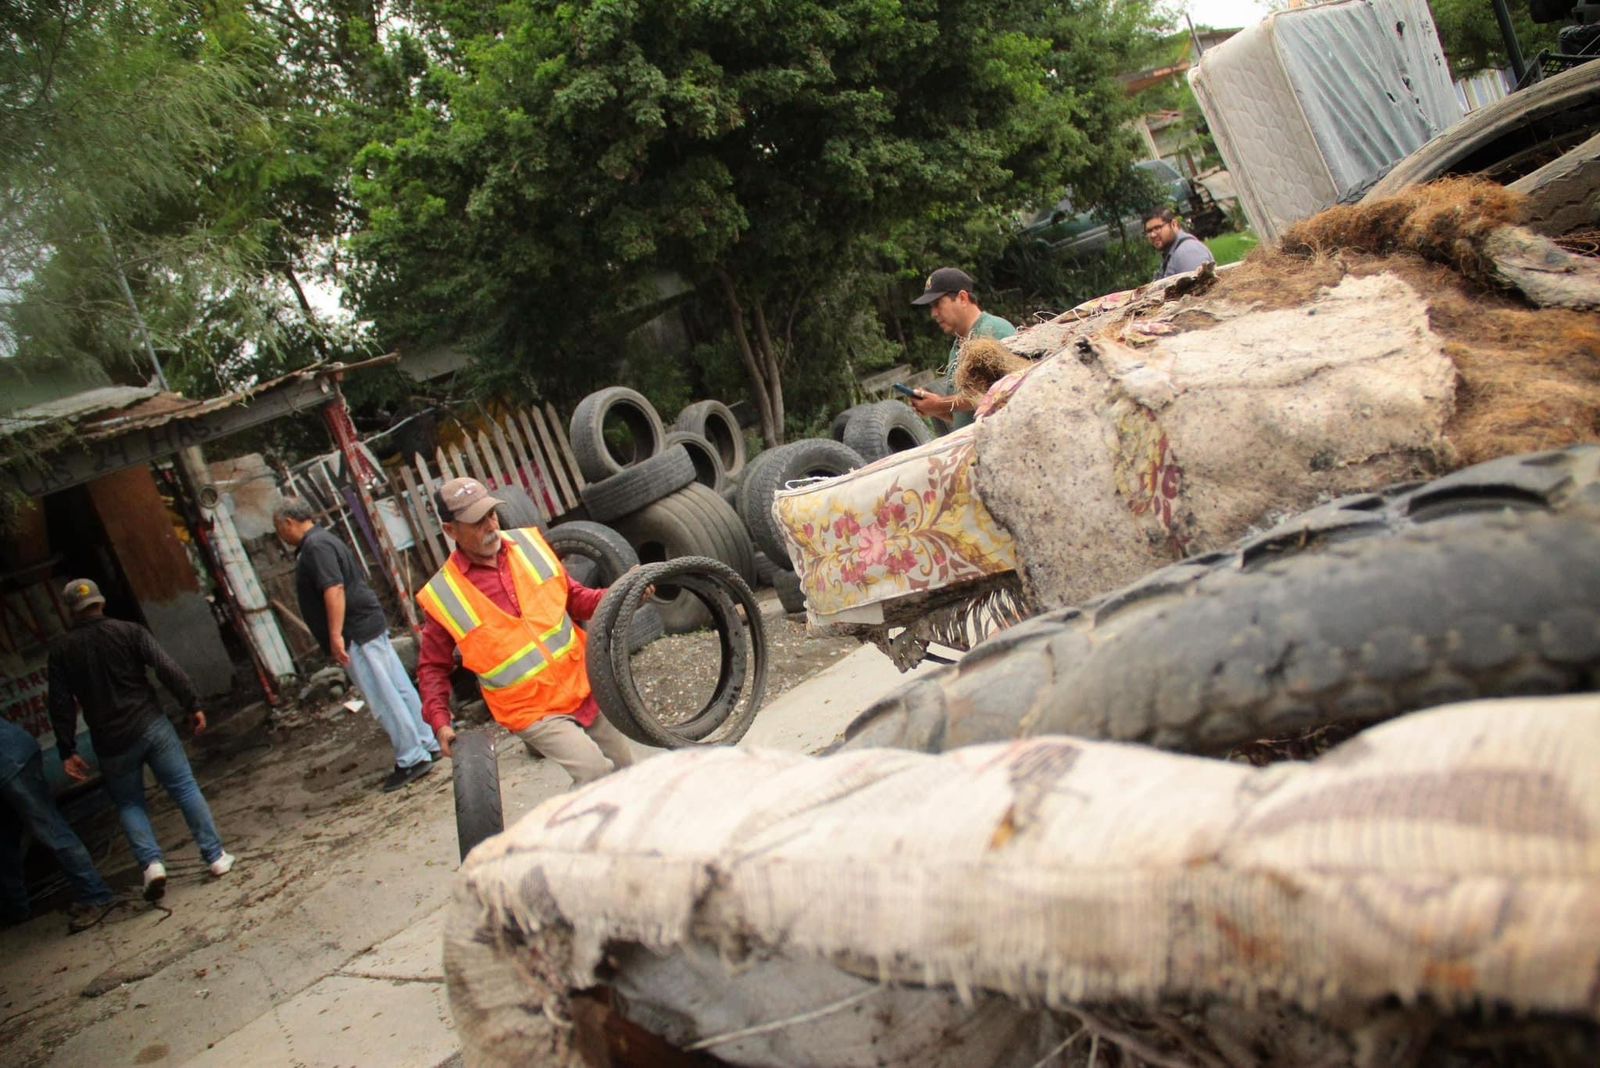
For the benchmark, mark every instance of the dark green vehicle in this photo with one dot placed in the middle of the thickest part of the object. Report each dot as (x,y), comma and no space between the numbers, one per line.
(1066,230)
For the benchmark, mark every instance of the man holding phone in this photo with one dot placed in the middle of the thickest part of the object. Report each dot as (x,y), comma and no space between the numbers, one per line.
(947,295)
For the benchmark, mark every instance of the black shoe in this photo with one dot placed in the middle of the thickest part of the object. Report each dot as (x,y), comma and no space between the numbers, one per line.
(81,917)
(402,776)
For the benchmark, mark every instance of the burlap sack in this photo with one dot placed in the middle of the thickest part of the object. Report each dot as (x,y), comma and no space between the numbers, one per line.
(889,908)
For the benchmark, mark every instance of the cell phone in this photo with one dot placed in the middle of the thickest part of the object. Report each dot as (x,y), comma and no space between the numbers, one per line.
(905,390)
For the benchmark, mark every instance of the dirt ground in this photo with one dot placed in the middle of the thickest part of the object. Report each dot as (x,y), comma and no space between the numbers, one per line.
(326,932)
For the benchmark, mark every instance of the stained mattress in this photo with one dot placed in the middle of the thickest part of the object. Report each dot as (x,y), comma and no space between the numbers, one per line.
(1312,105)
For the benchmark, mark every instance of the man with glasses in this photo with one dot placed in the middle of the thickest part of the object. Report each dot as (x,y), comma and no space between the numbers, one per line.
(947,295)
(1180,251)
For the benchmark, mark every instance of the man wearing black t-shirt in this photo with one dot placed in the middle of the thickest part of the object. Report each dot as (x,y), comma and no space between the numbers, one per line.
(344,614)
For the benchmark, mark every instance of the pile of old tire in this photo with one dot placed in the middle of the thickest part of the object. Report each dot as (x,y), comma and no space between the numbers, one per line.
(1483,583)
(770,472)
(742,672)
(881,428)
(660,491)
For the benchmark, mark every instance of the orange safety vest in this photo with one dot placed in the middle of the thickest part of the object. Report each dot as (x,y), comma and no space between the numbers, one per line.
(529,666)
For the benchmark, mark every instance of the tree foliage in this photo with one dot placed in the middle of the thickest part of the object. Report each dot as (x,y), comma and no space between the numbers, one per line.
(1471,36)
(559,159)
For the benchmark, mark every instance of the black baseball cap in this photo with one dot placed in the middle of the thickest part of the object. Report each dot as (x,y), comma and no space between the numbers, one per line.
(944,282)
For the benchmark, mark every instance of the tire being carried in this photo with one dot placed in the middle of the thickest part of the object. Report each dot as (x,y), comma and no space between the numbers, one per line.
(1484,583)
(742,672)
(475,776)
(597,556)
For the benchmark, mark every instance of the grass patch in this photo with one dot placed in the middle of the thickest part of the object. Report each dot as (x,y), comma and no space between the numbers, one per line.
(1230,248)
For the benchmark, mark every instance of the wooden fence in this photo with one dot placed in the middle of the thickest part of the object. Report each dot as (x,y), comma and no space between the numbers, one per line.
(521,447)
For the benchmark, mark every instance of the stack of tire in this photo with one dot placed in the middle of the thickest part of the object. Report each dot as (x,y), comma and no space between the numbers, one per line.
(662,491)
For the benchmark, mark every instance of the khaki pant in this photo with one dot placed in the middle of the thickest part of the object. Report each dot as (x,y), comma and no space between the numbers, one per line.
(586,754)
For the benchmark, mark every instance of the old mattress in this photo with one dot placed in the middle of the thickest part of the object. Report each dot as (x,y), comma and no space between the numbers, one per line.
(1313,104)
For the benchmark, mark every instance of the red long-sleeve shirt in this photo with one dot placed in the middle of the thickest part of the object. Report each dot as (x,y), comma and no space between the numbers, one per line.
(436,655)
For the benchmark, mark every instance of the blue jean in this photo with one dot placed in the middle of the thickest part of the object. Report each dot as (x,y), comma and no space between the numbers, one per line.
(123,773)
(376,670)
(28,806)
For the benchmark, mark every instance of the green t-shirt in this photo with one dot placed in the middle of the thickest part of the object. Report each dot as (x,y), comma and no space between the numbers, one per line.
(991,326)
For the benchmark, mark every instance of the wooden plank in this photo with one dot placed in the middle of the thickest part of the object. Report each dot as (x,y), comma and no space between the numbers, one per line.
(421,520)
(565,488)
(556,493)
(459,465)
(515,475)
(479,470)
(429,483)
(502,451)
(491,460)
(445,474)
(520,457)
(559,429)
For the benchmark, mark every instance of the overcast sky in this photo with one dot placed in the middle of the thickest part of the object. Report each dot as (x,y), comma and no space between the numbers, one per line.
(1224,14)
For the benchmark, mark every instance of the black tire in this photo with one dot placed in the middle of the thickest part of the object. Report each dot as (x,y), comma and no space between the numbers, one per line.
(1511,137)
(790,595)
(636,432)
(475,774)
(842,420)
(516,508)
(876,430)
(1484,583)
(725,718)
(774,469)
(594,555)
(716,423)
(766,570)
(708,470)
(723,525)
(645,628)
(663,532)
(638,486)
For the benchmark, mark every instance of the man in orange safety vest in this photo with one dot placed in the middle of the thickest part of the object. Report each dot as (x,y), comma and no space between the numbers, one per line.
(505,603)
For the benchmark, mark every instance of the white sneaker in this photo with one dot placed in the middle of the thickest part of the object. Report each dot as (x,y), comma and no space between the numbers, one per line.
(223,864)
(155,881)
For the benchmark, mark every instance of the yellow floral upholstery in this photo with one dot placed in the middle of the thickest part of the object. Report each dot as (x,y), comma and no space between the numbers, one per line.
(907,523)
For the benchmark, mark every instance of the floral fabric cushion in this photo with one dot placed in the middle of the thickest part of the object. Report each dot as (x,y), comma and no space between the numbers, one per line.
(910,522)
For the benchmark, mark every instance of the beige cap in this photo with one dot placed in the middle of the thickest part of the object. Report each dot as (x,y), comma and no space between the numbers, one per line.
(464,500)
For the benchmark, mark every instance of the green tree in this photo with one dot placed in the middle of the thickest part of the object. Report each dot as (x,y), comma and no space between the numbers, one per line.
(559,156)
(1471,36)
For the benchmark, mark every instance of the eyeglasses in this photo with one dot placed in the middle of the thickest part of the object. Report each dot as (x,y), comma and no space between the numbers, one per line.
(1151,231)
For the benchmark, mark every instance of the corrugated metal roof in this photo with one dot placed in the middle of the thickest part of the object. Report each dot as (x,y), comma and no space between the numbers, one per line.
(73,409)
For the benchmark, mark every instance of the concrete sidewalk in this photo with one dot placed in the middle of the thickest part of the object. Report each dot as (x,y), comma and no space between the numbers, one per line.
(350,974)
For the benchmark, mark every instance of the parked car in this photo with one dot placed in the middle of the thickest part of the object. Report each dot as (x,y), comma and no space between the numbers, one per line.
(1072,232)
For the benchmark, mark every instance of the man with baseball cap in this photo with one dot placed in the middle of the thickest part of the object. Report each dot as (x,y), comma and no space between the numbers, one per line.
(98,667)
(948,296)
(507,606)
(345,616)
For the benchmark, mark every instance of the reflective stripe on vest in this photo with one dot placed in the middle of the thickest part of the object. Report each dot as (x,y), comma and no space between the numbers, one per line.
(532,554)
(456,611)
(528,661)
